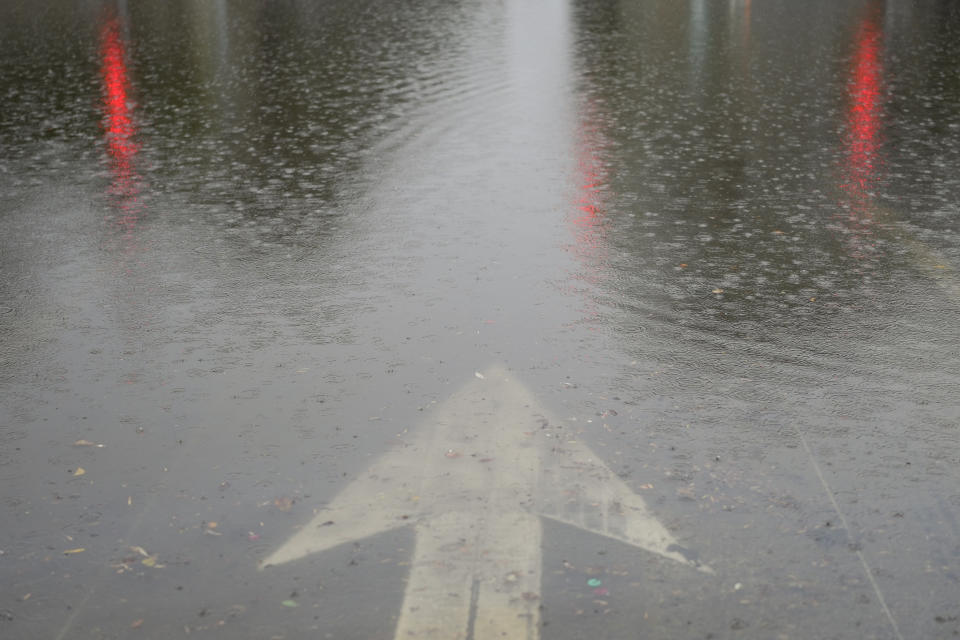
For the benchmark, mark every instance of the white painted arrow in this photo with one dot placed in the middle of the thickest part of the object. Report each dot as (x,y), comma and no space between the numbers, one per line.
(474,482)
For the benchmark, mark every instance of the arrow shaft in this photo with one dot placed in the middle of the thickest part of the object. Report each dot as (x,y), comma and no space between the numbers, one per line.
(474,577)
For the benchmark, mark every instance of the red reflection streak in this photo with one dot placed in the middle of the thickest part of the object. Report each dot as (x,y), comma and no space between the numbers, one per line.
(862,146)
(119,128)
(587,221)
(746,23)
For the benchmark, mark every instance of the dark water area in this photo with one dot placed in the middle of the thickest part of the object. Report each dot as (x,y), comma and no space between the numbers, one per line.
(247,247)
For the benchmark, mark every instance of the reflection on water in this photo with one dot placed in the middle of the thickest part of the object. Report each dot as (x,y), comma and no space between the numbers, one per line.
(862,164)
(120,129)
(587,221)
(699,35)
(743,24)
(363,201)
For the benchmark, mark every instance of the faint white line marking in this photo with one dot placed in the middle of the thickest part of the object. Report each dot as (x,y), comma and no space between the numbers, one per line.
(68,624)
(846,526)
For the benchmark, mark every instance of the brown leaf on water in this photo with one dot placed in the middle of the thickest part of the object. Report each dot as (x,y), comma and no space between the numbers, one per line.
(80,471)
(136,623)
(283,504)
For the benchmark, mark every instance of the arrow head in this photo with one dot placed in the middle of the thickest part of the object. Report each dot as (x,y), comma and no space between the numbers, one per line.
(490,446)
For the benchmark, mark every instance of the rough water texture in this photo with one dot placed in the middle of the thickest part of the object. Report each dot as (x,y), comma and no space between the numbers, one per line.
(248,246)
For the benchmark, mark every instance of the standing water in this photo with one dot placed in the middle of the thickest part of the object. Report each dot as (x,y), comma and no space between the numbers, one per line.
(641,316)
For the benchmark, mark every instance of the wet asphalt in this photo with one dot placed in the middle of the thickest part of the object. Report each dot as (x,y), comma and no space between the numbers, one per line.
(246,249)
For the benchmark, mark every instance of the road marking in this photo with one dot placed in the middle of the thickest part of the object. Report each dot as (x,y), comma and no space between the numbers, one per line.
(846,526)
(928,260)
(475,481)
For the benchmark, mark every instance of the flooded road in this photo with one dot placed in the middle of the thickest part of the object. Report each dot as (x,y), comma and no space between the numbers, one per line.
(467,319)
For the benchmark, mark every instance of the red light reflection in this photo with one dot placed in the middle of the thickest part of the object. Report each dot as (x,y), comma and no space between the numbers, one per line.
(746,23)
(119,127)
(587,221)
(863,160)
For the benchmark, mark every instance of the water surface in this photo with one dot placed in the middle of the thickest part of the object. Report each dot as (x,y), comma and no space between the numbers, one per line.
(248,246)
